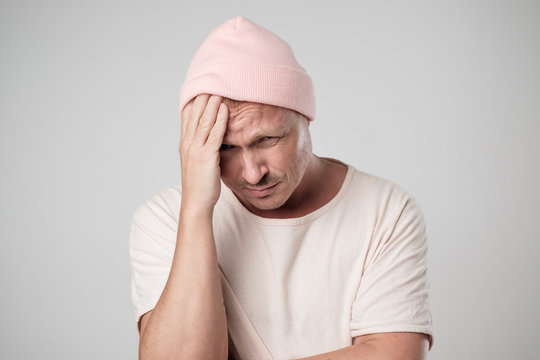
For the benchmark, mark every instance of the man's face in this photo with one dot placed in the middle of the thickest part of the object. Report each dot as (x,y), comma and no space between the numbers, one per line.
(265,152)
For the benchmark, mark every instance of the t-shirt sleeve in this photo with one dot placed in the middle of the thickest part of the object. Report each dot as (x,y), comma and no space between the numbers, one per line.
(393,291)
(151,247)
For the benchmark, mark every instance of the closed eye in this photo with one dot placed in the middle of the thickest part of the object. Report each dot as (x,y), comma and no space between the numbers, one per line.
(268,140)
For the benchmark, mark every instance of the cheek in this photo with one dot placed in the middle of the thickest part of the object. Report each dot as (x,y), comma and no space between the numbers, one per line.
(299,160)
(283,163)
(303,145)
(278,160)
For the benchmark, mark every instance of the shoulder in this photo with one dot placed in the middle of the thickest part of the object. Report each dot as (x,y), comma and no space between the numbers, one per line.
(372,188)
(155,221)
(163,204)
(380,202)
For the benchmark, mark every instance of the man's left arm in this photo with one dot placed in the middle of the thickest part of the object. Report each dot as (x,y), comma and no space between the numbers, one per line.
(381,346)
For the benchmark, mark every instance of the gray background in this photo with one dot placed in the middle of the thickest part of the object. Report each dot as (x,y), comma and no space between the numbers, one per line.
(442,97)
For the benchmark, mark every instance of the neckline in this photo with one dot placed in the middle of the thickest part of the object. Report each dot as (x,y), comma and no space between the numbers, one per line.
(229,195)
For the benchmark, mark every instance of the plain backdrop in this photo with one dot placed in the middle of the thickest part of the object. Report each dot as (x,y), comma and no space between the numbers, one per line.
(441,97)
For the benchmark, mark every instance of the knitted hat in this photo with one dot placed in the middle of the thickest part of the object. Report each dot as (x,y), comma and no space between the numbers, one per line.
(242,61)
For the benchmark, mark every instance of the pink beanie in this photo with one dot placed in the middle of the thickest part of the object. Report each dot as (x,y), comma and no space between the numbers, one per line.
(242,61)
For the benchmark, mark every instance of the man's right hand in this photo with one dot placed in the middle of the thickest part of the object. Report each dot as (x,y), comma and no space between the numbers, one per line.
(188,321)
(204,121)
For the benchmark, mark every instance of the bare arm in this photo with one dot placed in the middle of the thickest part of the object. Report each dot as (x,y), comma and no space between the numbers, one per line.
(188,322)
(383,346)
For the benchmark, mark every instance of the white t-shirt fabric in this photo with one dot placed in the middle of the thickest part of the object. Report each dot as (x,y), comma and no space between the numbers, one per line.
(301,286)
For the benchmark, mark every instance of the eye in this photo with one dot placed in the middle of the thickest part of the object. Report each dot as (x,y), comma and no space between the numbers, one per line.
(268,140)
(226,147)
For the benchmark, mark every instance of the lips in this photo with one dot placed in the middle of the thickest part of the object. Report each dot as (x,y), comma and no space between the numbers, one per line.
(261,192)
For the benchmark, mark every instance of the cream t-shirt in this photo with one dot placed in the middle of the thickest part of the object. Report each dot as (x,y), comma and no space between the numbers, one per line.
(301,286)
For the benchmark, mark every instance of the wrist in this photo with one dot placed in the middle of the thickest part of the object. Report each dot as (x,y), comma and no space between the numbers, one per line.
(194,210)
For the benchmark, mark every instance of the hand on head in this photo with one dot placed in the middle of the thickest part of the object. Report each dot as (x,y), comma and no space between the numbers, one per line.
(204,121)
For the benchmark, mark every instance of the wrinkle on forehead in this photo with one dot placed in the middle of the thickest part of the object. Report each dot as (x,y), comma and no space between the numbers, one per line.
(237,108)
(254,118)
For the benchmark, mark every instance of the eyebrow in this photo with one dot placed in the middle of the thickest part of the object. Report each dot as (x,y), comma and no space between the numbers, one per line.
(278,132)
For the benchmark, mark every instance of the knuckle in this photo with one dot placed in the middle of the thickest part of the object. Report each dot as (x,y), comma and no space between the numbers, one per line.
(205,124)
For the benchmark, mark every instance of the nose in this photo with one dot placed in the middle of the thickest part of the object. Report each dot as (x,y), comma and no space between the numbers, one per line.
(254,167)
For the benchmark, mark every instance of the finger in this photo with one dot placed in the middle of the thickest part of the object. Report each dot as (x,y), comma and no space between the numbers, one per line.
(185,116)
(208,119)
(215,139)
(195,113)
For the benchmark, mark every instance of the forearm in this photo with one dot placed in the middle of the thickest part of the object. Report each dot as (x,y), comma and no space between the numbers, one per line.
(349,352)
(189,321)
(383,346)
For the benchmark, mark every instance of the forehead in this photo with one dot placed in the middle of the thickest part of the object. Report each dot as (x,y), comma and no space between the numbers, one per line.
(247,117)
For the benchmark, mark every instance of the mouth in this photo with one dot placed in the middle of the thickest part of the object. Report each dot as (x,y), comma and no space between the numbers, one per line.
(261,192)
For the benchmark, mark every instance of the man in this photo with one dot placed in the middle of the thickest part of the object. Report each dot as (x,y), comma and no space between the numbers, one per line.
(267,251)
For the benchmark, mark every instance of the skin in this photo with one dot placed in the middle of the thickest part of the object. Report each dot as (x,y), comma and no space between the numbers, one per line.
(266,160)
(263,154)
(190,313)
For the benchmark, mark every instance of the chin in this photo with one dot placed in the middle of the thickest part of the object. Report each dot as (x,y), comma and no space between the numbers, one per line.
(268,203)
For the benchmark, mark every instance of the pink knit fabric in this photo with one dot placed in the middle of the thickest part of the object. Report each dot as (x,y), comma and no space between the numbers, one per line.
(243,61)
